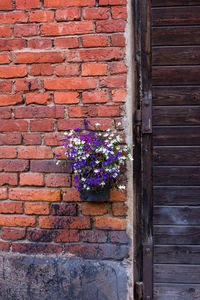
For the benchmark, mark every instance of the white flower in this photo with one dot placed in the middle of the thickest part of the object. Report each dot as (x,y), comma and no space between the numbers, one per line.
(119,123)
(96,171)
(97,124)
(121,187)
(130,156)
(97,162)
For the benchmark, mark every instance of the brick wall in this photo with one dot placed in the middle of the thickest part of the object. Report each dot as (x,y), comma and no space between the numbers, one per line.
(61,61)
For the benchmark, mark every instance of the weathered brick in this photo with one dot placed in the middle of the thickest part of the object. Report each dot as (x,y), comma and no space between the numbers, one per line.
(117,196)
(94,41)
(25,30)
(69,42)
(5,86)
(64,222)
(6,5)
(119,13)
(36,209)
(48,166)
(38,57)
(69,124)
(75,83)
(32,139)
(36,248)
(8,152)
(4,58)
(5,31)
(36,235)
(34,195)
(94,209)
(40,43)
(10,179)
(95,13)
(30,179)
(71,195)
(11,208)
(119,209)
(41,70)
(108,111)
(104,123)
(66,236)
(119,95)
(66,97)
(13,17)
(40,16)
(26,84)
(13,125)
(93,236)
(35,152)
(3,193)
(66,3)
(27,4)
(69,14)
(7,45)
(14,165)
(67,70)
(95,97)
(38,98)
(21,221)
(4,246)
(68,209)
(13,71)
(53,139)
(117,81)
(112,2)
(94,55)
(118,237)
(5,113)
(70,28)
(109,223)
(42,125)
(94,69)
(82,111)
(38,112)
(58,180)
(12,234)
(118,40)
(6,100)
(110,26)
(118,68)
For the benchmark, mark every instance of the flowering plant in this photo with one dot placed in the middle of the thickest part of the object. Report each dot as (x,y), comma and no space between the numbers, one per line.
(96,157)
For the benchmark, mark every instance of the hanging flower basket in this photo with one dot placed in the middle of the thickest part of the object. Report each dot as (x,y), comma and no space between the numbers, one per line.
(95,196)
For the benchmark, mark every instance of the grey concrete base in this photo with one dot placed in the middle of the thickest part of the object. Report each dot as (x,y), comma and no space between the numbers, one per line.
(60,278)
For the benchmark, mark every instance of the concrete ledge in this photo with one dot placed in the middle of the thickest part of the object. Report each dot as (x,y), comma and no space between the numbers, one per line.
(24,277)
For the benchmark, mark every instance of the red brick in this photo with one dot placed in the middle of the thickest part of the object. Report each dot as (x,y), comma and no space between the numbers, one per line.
(42,125)
(26,84)
(67,236)
(60,152)
(35,235)
(117,81)
(119,209)
(82,111)
(31,179)
(118,68)
(93,236)
(35,152)
(118,237)
(95,97)
(117,196)
(25,30)
(69,14)
(112,2)
(4,246)
(70,28)
(64,222)
(118,40)
(14,165)
(32,139)
(6,100)
(119,13)
(70,42)
(104,123)
(71,195)
(12,234)
(39,112)
(5,113)
(94,55)
(10,138)
(27,4)
(58,180)
(118,95)
(75,83)
(48,166)
(38,98)
(7,45)
(13,125)
(8,152)
(108,111)
(5,86)
(64,209)
(110,26)
(67,70)
(66,97)
(5,31)
(4,58)
(95,13)
(34,195)
(36,209)
(13,71)
(38,57)
(11,208)
(41,69)
(94,41)
(6,5)
(109,223)
(53,139)
(68,3)
(40,16)
(40,43)
(21,221)
(94,69)
(37,248)
(10,179)
(3,193)
(94,209)
(13,17)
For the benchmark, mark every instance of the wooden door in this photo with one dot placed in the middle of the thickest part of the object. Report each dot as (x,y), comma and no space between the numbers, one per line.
(176,148)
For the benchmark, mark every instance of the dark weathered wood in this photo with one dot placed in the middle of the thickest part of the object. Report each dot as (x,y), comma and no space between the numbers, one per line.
(165,56)
(176,36)
(176,95)
(176,235)
(166,254)
(177,273)
(176,75)
(172,115)
(175,2)
(176,176)
(176,136)
(176,215)
(176,291)
(175,16)
(176,156)
(176,195)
